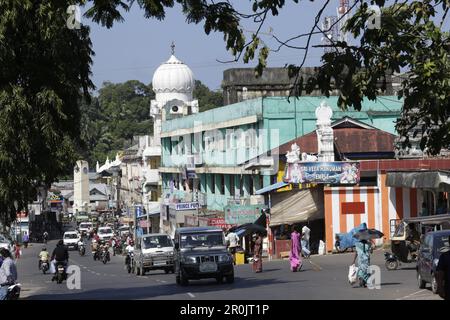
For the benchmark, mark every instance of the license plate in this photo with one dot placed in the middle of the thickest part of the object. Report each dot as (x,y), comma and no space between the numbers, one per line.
(159,263)
(208,267)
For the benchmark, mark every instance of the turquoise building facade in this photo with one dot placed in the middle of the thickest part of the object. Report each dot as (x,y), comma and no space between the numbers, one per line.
(209,157)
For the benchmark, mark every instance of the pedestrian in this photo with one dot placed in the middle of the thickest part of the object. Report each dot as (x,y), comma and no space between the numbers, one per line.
(306,233)
(296,249)
(8,272)
(443,275)
(25,239)
(363,255)
(232,240)
(257,253)
(17,250)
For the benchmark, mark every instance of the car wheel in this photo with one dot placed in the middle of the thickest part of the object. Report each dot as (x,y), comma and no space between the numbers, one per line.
(420,281)
(391,265)
(166,271)
(230,279)
(172,270)
(143,271)
(219,279)
(434,285)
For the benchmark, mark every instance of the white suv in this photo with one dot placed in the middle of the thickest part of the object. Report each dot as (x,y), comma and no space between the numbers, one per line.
(71,239)
(105,233)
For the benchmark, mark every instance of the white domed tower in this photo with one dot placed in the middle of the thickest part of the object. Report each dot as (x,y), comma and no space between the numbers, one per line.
(173,84)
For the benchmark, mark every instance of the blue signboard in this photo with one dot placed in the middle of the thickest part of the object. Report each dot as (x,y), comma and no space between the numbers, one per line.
(139,212)
(343,173)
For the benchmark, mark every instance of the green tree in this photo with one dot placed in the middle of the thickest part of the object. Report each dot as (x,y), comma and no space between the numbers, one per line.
(45,70)
(207,99)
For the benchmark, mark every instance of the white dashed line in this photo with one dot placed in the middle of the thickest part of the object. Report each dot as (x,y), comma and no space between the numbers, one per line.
(412,294)
(190,295)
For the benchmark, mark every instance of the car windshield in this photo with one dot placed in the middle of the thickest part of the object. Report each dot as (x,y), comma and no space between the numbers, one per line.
(105,231)
(70,236)
(157,242)
(202,240)
(441,244)
(85,225)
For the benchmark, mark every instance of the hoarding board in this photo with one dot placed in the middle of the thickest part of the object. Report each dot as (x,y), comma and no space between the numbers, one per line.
(336,173)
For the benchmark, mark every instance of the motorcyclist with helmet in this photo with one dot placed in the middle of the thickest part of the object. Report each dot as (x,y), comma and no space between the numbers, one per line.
(60,255)
(129,249)
(44,255)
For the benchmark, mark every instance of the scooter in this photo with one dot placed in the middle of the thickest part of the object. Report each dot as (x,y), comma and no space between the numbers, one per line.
(13,292)
(60,272)
(105,255)
(44,266)
(81,249)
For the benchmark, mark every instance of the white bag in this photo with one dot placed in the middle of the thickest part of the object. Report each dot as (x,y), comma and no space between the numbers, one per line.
(321,247)
(52,267)
(352,274)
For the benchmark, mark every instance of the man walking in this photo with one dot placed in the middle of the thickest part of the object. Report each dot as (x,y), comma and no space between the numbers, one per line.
(232,240)
(305,241)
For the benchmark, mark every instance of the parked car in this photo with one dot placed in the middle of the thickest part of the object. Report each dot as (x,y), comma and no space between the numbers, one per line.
(71,239)
(124,230)
(200,253)
(433,245)
(105,233)
(154,251)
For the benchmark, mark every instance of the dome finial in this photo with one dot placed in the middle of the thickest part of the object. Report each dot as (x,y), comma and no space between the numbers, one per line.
(173,47)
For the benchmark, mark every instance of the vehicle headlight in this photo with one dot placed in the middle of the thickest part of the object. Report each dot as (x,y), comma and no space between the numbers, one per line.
(170,253)
(224,258)
(189,259)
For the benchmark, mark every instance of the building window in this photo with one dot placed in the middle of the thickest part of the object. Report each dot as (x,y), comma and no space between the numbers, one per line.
(213,183)
(232,185)
(221,184)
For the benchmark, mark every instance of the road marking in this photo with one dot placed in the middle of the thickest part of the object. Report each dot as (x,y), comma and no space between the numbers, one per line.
(164,281)
(412,294)
(190,295)
(316,267)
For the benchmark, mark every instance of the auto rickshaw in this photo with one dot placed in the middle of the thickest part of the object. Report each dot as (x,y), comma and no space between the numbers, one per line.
(407,237)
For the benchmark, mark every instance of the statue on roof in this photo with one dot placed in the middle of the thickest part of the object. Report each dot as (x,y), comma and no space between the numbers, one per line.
(293,156)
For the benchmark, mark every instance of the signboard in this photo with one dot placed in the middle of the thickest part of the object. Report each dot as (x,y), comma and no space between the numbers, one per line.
(139,211)
(144,224)
(185,206)
(236,214)
(55,198)
(337,173)
(219,223)
(194,221)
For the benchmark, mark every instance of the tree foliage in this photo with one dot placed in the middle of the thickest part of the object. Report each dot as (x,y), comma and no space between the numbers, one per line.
(207,99)
(45,69)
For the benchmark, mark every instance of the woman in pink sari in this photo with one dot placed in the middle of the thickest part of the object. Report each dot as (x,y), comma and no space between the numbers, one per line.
(295,254)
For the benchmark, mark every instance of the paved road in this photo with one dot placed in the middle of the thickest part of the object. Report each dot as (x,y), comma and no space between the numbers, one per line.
(325,277)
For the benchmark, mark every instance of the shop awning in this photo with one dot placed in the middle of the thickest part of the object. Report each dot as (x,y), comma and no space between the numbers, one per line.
(296,206)
(437,180)
(272,187)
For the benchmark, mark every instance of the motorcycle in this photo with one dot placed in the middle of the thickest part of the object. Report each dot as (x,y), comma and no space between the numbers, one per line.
(13,292)
(105,255)
(130,262)
(44,266)
(81,249)
(60,272)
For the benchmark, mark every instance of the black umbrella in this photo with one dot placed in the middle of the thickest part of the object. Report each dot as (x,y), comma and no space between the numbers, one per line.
(249,228)
(368,234)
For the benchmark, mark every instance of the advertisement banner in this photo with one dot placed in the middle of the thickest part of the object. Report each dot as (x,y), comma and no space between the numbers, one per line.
(336,173)
(237,214)
(219,223)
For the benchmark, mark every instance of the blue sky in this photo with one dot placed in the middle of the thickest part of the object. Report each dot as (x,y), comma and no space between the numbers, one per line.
(132,50)
(135,48)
